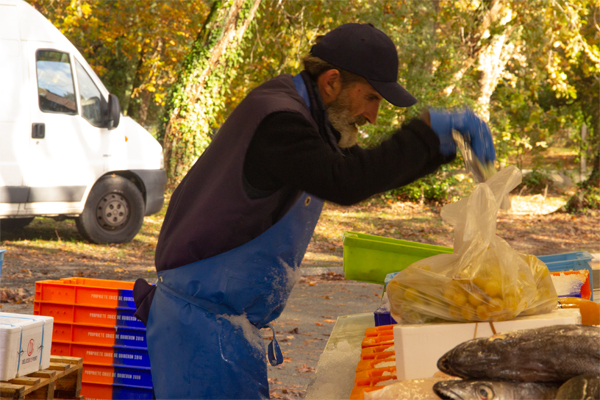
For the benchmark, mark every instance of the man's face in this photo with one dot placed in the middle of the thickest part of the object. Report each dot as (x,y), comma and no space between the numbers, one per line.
(357,104)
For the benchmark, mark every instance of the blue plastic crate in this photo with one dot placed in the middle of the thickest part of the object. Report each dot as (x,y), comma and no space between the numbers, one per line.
(137,377)
(132,392)
(383,318)
(574,261)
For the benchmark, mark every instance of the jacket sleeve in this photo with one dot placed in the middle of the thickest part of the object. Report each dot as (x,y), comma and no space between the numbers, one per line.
(287,150)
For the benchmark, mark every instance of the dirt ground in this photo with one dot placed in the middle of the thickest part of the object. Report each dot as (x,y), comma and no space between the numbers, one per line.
(52,250)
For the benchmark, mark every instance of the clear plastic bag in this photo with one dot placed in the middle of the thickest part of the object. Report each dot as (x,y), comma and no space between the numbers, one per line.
(484,279)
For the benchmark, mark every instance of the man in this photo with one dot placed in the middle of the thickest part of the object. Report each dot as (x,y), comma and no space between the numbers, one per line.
(239,223)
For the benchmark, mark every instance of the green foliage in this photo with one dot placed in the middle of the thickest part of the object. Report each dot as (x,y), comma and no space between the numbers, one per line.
(586,199)
(535,182)
(545,85)
(134,46)
(198,97)
(439,188)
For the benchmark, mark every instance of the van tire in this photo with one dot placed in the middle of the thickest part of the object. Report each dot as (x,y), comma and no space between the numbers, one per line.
(14,224)
(113,213)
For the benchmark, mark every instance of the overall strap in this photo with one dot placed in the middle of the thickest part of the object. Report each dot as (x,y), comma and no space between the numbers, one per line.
(301,89)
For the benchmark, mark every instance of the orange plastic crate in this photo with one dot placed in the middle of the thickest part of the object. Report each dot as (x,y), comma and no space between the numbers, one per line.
(370,353)
(100,391)
(104,355)
(100,316)
(84,291)
(378,335)
(99,335)
(98,374)
(117,375)
(376,362)
(379,330)
(377,349)
(103,283)
(371,378)
(378,340)
(96,391)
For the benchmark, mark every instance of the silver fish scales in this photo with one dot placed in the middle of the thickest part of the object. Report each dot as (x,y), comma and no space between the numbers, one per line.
(549,354)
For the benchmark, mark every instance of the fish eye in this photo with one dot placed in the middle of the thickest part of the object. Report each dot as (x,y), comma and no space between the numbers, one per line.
(485,393)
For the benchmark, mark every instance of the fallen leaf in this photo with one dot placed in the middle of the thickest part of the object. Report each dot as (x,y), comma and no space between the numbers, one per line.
(305,368)
(318,324)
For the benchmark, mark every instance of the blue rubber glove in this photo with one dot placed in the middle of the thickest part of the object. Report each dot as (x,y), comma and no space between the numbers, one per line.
(474,130)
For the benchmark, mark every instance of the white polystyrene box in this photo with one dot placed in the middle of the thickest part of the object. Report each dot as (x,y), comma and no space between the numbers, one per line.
(419,346)
(25,343)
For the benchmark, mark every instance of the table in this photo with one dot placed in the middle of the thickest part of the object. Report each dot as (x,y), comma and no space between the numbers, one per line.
(337,365)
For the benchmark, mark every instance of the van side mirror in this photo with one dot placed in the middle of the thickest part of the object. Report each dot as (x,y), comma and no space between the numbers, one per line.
(114,112)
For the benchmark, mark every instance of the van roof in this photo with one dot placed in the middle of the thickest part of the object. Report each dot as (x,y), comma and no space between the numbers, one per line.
(32,26)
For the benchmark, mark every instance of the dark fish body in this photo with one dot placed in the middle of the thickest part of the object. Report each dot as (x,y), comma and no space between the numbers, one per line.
(494,390)
(582,387)
(549,354)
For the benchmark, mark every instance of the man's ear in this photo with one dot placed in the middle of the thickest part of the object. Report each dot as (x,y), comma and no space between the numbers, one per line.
(330,85)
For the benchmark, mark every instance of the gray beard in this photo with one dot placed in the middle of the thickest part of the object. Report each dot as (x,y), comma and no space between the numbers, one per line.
(342,120)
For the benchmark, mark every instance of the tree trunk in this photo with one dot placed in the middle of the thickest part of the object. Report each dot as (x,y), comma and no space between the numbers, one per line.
(490,16)
(492,61)
(198,95)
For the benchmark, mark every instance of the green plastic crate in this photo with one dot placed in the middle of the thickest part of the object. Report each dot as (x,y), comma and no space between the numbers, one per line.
(369,258)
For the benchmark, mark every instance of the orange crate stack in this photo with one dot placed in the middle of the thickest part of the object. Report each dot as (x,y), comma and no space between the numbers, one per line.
(377,365)
(93,319)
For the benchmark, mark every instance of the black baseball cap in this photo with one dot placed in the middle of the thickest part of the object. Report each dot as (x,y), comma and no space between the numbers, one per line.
(367,52)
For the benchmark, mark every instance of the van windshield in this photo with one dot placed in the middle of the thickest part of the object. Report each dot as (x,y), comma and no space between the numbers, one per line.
(90,97)
(56,91)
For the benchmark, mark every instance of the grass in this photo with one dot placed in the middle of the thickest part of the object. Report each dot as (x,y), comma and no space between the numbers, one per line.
(56,248)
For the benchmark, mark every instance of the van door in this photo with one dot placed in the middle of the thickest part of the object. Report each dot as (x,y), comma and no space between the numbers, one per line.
(14,114)
(66,151)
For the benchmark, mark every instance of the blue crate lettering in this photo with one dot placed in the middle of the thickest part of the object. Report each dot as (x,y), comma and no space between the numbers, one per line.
(130,337)
(131,357)
(126,318)
(138,377)
(126,298)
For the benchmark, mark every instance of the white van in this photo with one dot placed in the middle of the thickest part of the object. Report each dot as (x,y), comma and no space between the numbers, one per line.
(65,151)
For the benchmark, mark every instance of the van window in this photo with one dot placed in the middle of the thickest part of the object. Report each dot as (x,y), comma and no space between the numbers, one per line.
(56,91)
(90,96)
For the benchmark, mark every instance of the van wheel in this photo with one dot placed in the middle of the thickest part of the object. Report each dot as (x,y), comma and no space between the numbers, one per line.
(14,224)
(113,212)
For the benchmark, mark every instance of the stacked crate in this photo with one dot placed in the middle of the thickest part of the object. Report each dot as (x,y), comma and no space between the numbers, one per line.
(93,319)
(377,365)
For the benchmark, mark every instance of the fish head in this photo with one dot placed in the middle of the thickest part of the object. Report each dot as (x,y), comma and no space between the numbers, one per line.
(465,390)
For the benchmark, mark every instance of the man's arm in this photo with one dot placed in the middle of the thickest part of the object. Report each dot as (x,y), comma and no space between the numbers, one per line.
(288,150)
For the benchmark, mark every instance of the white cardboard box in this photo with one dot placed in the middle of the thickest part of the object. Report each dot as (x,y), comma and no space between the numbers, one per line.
(419,346)
(25,343)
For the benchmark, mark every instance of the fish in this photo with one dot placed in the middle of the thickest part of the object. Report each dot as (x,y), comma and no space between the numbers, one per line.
(582,387)
(494,390)
(548,354)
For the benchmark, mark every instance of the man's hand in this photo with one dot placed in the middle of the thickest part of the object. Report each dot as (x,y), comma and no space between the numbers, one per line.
(474,130)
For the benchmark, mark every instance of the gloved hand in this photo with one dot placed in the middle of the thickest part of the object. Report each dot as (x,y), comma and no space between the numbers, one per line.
(474,130)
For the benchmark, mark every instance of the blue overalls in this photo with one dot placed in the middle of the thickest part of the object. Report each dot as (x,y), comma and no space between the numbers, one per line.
(203,327)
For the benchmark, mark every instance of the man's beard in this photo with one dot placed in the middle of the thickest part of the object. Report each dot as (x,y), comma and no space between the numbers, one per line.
(343,121)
